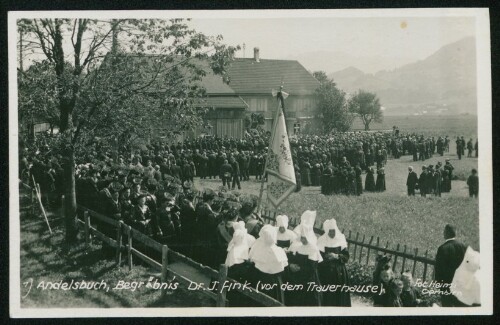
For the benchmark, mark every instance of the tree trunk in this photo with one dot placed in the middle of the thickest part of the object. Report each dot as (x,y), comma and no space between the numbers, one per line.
(367,126)
(70,198)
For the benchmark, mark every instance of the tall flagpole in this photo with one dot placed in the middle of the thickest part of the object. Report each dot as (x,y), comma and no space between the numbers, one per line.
(269,149)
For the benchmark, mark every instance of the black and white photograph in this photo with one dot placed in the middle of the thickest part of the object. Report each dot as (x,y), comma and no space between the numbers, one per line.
(250,162)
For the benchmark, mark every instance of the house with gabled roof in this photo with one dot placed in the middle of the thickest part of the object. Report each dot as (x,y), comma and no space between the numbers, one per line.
(254,78)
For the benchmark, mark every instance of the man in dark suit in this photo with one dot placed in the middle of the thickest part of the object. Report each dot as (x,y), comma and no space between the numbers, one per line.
(448,258)
(235,174)
(422,181)
(411,181)
(226,172)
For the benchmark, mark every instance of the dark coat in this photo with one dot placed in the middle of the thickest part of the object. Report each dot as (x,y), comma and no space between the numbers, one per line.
(449,256)
(226,168)
(412,180)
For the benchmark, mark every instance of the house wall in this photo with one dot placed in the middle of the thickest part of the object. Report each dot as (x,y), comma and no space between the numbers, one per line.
(298,109)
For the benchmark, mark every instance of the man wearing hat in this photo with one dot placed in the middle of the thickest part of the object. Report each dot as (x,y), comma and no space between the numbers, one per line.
(411,181)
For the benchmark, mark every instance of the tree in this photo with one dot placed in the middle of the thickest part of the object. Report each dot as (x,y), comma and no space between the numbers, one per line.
(367,107)
(108,94)
(332,104)
(37,90)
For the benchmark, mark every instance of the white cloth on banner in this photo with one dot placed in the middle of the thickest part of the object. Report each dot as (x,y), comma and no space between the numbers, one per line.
(281,174)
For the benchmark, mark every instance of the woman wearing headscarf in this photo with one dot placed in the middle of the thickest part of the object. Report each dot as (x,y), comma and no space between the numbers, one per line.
(240,225)
(303,266)
(285,236)
(269,260)
(239,266)
(225,230)
(307,218)
(332,271)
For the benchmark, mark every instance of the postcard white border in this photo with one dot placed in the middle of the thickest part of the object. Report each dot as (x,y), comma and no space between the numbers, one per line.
(485,167)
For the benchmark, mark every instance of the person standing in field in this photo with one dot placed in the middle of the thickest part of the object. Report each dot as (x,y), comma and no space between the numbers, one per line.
(463,145)
(226,172)
(370,180)
(438,180)
(469,148)
(473,183)
(476,147)
(449,168)
(422,181)
(449,256)
(411,181)
(380,183)
(459,148)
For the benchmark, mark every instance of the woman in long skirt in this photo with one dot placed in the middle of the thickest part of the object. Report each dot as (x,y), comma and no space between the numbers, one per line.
(302,270)
(239,268)
(380,185)
(370,180)
(270,262)
(332,271)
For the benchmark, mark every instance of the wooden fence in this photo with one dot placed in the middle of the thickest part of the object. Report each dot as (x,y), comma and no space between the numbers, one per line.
(170,260)
(364,250)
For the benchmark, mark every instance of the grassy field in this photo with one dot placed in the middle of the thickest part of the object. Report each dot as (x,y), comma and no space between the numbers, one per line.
(413,221)
(428,125)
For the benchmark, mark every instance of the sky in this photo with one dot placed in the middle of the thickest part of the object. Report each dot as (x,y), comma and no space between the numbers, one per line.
(401,39)
(331,43)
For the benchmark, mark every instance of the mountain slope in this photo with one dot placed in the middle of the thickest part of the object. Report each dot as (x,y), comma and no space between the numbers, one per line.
(444,81)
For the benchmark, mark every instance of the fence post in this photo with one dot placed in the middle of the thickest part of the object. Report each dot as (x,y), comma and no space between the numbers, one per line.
(119,244)
(394,264)
(414,263)
(87,228)
(361,249)
(221,296)
(404,259)
(368,253)
(425,266)
(355,245)
(129,247)
(164,268)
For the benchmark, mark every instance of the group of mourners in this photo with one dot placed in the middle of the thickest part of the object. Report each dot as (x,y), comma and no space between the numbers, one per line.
(152,190)
(434,180)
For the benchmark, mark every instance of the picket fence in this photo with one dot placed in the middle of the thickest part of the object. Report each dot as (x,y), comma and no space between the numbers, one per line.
(168,259)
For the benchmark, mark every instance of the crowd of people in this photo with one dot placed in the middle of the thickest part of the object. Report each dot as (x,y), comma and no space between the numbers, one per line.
(152,190)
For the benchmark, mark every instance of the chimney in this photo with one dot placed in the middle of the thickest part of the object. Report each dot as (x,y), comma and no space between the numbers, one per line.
(256,55)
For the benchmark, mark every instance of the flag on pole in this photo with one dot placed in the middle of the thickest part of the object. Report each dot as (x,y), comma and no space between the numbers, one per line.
(279,167)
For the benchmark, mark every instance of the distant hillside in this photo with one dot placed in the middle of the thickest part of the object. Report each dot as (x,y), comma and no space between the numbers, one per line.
(330,61)
(444,82)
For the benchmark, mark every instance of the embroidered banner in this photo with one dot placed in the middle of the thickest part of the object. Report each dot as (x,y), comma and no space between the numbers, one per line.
(281,174)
